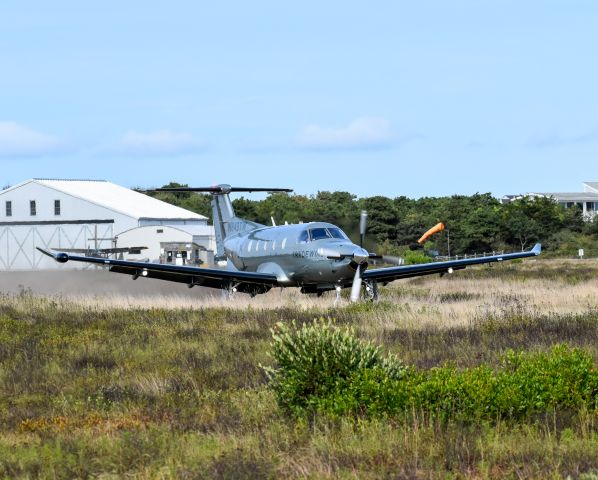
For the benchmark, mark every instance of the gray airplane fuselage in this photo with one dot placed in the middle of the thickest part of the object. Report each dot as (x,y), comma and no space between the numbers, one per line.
(297,254)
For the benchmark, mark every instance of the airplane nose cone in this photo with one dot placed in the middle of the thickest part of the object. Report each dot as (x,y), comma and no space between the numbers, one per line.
(360,255)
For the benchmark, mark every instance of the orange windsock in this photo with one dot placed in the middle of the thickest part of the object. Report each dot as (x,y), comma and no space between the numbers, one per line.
(435,229)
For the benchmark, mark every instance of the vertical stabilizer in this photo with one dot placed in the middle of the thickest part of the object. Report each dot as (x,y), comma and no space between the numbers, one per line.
(226,223)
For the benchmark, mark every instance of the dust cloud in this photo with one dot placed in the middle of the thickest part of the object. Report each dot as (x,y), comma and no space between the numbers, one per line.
(93,283)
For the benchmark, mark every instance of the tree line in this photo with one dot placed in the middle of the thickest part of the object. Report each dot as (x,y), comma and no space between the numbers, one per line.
(474,223)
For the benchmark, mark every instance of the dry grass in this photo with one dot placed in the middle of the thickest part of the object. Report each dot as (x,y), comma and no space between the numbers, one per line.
(449,301)
(170,387)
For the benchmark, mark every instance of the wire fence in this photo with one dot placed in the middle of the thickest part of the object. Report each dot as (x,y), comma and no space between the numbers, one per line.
(441,258)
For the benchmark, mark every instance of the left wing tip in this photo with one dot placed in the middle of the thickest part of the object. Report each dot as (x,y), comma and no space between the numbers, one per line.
(60,257)
(45,252)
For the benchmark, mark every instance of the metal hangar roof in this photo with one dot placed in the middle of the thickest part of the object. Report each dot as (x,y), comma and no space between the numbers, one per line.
(115,197)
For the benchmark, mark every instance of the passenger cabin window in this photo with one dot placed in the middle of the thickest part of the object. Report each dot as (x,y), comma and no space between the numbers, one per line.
(9,208)
(303,237)
(319,234)
(56,207)
(32,208)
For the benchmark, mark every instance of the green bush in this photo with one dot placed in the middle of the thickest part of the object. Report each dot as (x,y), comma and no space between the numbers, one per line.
(324,368)
(415,257)
(319,358)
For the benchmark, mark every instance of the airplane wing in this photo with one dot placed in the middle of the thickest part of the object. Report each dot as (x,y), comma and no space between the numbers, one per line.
(133,250)
(248,282)
(394,273)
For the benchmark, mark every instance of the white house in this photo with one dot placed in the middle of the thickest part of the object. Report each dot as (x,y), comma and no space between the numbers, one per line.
(77,214)
(587,200)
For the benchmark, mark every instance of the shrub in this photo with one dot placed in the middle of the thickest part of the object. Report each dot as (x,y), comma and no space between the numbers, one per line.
(325,368)
(319,358)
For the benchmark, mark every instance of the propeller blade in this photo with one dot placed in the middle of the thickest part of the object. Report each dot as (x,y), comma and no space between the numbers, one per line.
(356,287)
(363,225)
(391,259)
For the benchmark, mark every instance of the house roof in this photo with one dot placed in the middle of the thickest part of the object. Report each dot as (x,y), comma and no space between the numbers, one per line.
(115,197)
(592,185)
(570,196)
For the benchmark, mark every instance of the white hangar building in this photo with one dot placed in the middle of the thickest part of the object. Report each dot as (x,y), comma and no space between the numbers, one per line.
(91,214)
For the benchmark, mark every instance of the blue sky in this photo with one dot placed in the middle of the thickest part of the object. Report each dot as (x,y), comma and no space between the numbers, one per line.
(389,97)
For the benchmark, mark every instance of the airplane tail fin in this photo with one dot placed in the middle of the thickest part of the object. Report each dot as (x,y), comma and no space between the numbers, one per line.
(226,223)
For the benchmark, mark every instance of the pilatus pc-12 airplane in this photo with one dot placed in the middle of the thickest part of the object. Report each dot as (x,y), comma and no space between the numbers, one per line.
(316,257)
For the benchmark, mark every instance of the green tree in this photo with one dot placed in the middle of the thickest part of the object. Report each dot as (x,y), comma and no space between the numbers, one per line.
(522,228)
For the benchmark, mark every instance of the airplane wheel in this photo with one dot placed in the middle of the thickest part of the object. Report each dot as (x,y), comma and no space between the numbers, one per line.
(371,289)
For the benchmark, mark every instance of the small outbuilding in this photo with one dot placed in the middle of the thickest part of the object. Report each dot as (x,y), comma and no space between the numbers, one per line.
(178,245)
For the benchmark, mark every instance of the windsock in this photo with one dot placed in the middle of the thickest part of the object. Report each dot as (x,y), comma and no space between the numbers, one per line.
(435,229)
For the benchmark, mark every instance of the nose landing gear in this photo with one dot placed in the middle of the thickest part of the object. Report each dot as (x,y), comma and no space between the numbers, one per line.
(337,299)
(371,290)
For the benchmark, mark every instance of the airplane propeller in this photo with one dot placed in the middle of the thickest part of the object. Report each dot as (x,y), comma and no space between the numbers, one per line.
(363,225)
(356,287)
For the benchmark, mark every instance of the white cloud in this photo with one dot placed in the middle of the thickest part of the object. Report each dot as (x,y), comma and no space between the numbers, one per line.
(554,138)
(161,142)
(363,133)
(17,140)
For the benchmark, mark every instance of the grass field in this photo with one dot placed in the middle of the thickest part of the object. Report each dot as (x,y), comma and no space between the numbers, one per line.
(165,387)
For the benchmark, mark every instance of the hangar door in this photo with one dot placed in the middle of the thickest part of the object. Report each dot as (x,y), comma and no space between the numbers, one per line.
(19,239)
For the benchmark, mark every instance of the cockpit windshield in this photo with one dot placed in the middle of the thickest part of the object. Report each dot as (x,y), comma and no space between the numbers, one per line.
(319,234)
(337,233)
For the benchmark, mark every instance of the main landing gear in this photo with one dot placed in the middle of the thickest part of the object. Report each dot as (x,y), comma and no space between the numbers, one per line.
(229,290)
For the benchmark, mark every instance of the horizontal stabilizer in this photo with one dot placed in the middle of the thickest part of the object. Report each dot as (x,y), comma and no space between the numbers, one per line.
(220,189)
